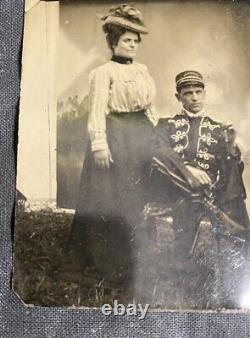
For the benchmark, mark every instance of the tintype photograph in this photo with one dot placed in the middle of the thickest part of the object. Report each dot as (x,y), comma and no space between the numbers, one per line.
(133,163)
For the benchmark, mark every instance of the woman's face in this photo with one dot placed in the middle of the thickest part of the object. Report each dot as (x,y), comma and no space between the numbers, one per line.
(127,45)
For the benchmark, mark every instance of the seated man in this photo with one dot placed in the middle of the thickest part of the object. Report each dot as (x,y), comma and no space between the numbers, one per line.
(198,187)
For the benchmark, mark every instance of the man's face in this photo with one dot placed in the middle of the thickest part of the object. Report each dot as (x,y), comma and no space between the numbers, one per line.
(192,98)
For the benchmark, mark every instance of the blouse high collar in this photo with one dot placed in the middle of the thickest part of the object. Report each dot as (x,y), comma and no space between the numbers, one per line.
(122,59)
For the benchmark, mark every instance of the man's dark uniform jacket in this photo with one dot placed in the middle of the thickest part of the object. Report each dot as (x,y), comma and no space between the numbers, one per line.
(202,142)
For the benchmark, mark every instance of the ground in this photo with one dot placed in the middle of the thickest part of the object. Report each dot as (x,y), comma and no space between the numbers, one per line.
(44,273)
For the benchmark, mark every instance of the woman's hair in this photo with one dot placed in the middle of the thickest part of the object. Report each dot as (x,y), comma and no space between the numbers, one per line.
(114,32)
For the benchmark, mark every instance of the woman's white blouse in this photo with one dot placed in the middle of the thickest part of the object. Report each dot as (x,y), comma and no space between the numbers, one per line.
(116,87)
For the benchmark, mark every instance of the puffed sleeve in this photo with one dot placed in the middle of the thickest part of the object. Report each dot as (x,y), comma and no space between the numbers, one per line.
(99,85)
(148,86)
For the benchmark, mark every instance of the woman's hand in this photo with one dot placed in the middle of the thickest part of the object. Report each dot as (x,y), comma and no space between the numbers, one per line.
(103,158)
(201,177)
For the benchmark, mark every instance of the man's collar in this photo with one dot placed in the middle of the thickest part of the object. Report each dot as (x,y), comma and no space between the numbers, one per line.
(190,114)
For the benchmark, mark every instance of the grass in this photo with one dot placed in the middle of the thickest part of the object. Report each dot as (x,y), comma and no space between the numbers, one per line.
(44,271)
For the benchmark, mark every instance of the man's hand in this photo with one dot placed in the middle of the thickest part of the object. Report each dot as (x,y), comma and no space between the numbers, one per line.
(103,158)
(201,177)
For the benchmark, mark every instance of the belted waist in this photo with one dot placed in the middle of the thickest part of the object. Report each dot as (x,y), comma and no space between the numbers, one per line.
(128,114)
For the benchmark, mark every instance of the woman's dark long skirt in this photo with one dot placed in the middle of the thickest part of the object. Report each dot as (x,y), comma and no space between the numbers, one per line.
(110,201)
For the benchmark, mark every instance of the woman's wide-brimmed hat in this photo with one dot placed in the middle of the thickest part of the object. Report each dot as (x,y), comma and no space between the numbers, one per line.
(125,16)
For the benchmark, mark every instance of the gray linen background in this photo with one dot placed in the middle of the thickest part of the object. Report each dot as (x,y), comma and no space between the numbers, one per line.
(18,321)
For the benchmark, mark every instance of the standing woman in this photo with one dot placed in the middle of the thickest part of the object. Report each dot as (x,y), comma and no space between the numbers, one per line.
(120,124)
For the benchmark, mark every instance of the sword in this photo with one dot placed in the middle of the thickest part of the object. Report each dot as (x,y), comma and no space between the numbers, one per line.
(205,196)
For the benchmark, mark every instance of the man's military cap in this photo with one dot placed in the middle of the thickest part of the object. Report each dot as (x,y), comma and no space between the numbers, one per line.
(189,77)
